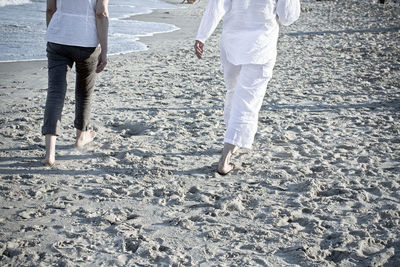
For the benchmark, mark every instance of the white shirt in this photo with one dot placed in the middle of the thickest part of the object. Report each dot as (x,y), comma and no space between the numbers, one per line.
(251,27)
(74,23)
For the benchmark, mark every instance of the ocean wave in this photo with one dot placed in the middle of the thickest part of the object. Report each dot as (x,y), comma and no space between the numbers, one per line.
(13,2)
(23,29)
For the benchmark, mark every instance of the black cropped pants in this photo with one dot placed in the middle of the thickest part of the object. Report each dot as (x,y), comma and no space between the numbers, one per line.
(60,60)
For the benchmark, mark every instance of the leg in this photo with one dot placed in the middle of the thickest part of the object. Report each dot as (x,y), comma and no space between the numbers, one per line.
(246,103)
(85,80)
(231,73)
(50,141)
(58,66)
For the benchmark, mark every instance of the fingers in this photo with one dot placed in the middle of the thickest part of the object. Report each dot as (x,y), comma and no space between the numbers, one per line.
(199,52)
(101,64)
(198,46)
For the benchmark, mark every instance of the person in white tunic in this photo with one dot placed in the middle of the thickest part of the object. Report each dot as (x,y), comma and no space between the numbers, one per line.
(248,52)
(76,34)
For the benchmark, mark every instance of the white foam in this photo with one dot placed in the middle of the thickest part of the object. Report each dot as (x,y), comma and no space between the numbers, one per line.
(13,2)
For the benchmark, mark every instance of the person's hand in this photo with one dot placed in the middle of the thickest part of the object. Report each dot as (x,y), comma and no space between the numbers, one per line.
(198,47)
(101,63)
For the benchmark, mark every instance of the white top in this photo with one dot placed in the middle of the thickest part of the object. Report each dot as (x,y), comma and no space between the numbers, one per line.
(74,23)
(251,27)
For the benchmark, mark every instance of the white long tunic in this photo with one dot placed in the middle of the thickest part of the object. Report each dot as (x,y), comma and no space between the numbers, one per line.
(251,27)
(74,23)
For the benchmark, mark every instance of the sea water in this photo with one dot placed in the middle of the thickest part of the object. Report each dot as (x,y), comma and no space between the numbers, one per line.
(23,27)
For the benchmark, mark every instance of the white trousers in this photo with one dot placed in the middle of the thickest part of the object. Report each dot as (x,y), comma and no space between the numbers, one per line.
(245,90)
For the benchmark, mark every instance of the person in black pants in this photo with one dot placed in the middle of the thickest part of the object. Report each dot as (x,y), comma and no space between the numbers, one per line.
(76,34)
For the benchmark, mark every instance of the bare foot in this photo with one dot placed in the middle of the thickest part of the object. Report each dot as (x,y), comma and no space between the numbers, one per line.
(235,150)
(50,157)
(226,169)
(48,162)
(224,165)
(84,137)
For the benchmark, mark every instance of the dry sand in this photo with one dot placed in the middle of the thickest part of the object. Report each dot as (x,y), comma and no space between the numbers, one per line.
(319,188)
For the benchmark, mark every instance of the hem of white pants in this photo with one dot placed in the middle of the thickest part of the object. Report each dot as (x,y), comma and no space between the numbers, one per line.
(241,145)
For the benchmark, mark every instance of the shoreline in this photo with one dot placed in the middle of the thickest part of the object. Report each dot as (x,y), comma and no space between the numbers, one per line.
(128,17)
(157,15)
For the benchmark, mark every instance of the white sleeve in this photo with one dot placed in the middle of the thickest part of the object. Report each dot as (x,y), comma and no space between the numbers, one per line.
(288,11)
(212,15)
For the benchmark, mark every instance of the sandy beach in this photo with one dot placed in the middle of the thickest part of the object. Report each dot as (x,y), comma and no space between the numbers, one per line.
(320,187)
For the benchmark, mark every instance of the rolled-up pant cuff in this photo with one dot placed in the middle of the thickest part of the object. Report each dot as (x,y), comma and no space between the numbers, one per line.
(51,129)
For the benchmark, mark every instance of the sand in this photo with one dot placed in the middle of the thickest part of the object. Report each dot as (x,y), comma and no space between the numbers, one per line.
(320,187)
